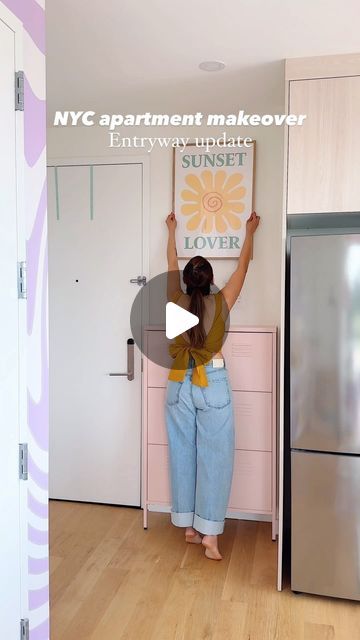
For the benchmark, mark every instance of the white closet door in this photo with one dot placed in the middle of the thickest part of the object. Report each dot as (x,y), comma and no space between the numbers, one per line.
(95,248)
(12,313)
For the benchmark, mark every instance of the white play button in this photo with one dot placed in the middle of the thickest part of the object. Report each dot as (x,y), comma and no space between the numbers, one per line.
(178,320)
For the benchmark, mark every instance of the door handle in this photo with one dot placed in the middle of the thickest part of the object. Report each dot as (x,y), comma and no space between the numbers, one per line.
(140,280)
(130,362)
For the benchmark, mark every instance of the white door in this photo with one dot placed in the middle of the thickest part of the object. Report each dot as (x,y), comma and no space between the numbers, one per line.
(12,325)
(95,248)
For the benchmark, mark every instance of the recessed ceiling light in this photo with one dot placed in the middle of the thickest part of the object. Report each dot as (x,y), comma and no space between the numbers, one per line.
(211,65)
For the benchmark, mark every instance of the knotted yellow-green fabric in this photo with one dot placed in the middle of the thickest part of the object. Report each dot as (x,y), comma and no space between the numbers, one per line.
(182,351)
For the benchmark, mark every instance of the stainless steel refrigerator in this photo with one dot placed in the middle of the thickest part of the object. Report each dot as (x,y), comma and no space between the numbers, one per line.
(324,411)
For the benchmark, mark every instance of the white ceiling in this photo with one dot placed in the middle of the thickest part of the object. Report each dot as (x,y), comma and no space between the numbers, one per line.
(132,56)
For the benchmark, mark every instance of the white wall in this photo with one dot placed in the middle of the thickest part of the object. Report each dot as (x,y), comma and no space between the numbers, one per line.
(259,302)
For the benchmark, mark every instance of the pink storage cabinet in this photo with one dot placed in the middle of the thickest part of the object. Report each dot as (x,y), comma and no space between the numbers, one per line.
(250,355)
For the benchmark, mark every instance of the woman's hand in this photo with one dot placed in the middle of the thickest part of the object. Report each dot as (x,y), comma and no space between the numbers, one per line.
(171,221)
(252,223)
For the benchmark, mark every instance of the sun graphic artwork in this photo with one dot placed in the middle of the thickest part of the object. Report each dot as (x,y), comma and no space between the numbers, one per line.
(213,200)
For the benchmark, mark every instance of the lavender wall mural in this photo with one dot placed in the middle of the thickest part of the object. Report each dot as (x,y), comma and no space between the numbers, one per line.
(32,15)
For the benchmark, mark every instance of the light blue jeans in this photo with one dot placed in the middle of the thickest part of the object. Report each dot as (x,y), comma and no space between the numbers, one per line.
(200,428)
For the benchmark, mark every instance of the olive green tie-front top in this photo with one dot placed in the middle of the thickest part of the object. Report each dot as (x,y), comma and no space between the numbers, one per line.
(182,351)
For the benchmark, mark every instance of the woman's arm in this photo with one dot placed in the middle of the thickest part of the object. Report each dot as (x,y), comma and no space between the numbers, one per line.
(173,279)
(233,287)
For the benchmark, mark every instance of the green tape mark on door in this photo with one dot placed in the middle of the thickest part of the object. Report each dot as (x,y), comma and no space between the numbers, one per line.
(91,192)
(57,194)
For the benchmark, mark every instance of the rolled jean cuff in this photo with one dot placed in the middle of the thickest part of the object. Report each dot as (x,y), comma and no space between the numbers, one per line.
(208,527)
(182,519)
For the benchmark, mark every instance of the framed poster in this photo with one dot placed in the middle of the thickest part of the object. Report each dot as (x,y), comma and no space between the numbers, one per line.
(212,199)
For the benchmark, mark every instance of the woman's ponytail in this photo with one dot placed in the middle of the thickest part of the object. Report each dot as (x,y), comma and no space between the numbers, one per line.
(197,334)
(198,276)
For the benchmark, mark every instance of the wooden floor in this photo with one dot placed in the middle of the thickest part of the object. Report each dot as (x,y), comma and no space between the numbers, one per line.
(111,580)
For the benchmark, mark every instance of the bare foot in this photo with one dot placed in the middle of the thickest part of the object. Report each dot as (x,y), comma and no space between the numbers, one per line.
(211,547)
(192,536)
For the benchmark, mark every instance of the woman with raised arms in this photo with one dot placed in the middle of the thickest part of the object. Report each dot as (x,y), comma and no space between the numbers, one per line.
(199,410)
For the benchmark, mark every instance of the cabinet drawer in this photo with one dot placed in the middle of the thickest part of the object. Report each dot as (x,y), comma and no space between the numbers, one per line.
(249,360)
(158,474)
(158,343)
(251,484)
(156,416)
(253,416)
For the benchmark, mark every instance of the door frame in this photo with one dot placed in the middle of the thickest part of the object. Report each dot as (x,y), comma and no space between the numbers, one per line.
(144,162)
(11,21)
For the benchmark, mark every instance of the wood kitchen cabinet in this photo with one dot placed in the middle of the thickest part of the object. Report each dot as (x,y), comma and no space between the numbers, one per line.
(250,354)
(324,153)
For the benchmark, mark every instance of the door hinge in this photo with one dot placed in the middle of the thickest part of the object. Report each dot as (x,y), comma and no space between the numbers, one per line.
(21,279)
(19,91)
(23,461)
(24,629)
